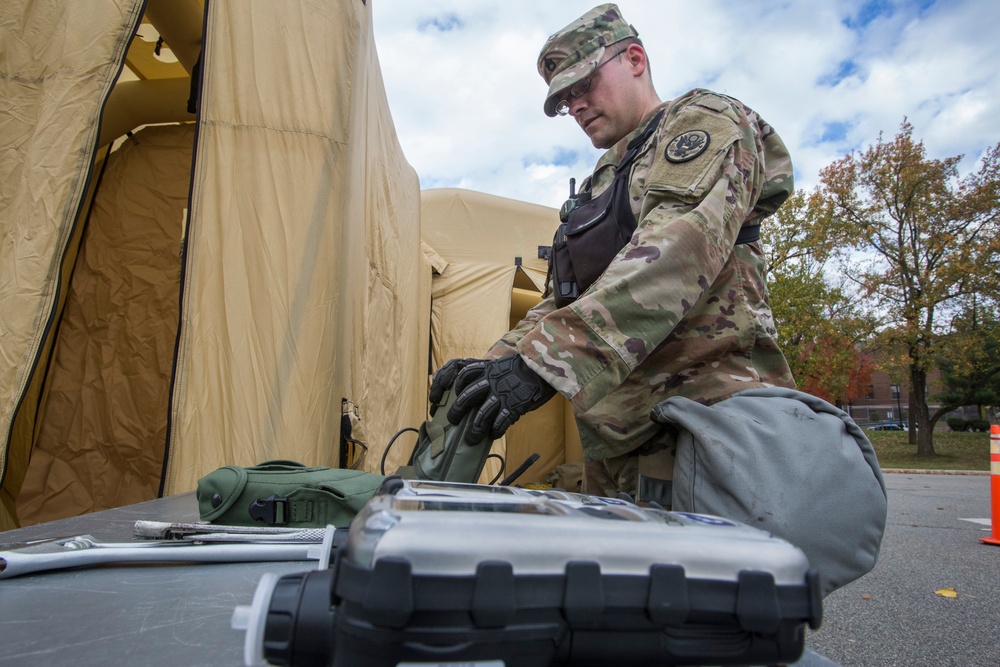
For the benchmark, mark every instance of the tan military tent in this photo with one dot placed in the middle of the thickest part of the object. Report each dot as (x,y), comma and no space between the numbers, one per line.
(255,281)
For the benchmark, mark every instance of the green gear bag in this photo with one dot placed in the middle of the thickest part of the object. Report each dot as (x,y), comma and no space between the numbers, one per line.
(442,453)
(284,493)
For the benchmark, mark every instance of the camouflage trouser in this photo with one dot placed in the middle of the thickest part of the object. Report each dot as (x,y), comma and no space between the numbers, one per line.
(609,477)
(644,474)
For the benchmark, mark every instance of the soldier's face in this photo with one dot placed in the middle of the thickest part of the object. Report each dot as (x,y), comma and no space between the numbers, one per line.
(607,111)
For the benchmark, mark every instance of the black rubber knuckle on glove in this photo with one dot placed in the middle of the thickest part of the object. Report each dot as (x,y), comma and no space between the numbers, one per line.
(502,389)
(443,379)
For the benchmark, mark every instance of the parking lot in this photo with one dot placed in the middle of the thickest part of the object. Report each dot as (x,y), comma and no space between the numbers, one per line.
(899,613)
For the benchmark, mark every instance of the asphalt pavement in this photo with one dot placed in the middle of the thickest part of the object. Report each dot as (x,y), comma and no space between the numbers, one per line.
(894,615)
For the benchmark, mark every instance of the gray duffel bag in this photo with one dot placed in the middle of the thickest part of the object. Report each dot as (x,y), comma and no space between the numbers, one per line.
(786,462)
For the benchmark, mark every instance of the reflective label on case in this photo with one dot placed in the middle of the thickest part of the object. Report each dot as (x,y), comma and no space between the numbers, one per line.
(707,520)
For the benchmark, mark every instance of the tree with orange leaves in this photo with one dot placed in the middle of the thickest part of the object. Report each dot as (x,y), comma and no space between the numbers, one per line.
(914,238)
(821,328)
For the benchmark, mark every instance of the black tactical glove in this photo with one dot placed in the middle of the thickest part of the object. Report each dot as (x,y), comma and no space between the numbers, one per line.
(443,379)
(503,389)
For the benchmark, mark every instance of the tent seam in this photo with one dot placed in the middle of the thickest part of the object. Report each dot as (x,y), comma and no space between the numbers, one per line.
(277,129)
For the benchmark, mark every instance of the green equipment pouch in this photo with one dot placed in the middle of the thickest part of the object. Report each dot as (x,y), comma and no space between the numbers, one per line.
(284,493)
(442,453)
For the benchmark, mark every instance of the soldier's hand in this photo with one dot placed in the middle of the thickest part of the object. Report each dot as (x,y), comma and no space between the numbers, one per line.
(501,390)
(443,379)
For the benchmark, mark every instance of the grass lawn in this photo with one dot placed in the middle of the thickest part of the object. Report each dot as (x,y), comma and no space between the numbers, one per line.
(955,451)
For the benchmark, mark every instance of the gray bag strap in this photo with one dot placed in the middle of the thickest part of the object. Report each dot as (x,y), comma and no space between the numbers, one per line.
(788,463)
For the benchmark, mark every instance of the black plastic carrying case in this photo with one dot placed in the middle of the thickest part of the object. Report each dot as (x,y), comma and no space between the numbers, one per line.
(442,574)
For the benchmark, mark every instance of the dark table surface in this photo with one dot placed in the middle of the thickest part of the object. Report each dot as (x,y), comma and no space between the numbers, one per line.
(141,614)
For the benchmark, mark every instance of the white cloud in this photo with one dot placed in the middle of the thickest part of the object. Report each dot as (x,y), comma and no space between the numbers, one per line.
(466,97)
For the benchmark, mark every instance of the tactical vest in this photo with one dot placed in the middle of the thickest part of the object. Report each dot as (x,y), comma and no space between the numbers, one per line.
(593,230)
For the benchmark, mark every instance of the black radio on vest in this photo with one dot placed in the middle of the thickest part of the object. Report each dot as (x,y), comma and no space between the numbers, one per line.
(593,230)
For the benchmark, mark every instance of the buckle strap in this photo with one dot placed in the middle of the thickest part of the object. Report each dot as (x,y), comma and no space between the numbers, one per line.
(271,510)
(277,511)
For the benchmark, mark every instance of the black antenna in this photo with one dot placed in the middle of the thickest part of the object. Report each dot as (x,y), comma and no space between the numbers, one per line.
(509,479)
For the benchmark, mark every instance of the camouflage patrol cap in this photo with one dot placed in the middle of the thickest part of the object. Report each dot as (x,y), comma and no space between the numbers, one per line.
(574,52)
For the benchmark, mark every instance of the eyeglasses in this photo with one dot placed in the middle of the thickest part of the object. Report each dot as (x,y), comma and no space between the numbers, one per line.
(580,88)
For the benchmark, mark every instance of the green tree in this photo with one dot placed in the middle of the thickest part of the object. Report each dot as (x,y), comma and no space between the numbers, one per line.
(970,359)
(914,238)
(821,328)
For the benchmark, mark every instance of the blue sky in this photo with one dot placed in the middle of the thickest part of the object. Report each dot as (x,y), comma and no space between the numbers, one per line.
(466,98)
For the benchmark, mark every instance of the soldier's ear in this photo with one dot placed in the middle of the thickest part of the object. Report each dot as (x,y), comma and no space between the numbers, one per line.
(635,56)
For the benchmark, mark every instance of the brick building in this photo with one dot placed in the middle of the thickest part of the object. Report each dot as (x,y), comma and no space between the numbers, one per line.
(887,401)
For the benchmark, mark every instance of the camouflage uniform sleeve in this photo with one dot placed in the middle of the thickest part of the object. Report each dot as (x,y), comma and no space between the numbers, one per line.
(508,343)
(692,209)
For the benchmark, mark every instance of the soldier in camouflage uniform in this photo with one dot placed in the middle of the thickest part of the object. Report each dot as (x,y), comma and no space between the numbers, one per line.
(681,309)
